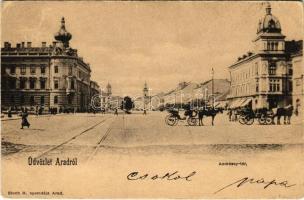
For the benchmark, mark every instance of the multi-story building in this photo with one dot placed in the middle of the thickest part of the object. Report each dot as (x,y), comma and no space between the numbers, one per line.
(94,89)
(263,78)
(298,77)
(51,76)
(106,97)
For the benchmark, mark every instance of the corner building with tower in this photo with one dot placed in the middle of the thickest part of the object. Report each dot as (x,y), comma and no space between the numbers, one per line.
(51,76)
(264,78)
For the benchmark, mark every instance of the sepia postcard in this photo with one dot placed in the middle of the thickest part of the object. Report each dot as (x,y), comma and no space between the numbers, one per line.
(152,99)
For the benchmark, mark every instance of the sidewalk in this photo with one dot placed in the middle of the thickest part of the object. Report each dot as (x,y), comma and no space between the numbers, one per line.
(4,117)
(16,117)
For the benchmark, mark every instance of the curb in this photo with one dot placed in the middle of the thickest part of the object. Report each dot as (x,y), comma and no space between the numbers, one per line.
(9,119)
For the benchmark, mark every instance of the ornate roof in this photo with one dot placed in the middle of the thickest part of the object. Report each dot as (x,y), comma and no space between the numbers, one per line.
(63,35)
(269,23)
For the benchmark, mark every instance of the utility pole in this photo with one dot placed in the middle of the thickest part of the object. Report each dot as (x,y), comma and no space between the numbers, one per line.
(212,81)
(145,91)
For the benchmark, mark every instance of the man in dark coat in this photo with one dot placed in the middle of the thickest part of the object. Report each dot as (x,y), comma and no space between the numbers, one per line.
(24,121)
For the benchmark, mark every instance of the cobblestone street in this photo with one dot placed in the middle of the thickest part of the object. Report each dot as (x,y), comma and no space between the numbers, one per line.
(139,131)
(118,145)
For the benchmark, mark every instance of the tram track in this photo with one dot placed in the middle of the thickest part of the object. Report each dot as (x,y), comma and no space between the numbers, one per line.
(99,144)
(71,139)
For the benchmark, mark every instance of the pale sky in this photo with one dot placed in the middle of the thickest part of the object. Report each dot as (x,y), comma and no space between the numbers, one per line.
(163,43)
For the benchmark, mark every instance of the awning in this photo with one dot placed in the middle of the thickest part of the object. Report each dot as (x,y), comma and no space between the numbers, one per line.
(246,102)
(216,104)
(237,103)
(233,103)
(221,104)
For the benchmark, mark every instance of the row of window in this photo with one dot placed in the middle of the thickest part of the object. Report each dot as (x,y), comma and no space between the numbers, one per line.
(32,99)
(42,99)
(244,89)
(272,70)
(271,46)
(56,84)
(33,70)
(244,75)
(275,85)
(12,69)
(32,84)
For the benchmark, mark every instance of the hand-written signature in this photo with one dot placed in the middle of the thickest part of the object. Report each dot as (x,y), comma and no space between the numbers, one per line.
(170,176)
(248,180)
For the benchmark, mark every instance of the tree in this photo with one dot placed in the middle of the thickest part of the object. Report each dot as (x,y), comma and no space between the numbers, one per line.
(127,104)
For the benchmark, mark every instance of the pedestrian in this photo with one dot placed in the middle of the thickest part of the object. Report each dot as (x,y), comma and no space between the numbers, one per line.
(37,111)
(24,121)
(230,114)
(116,112)
(40,110)
(145,111)
(9,112)
(297,110)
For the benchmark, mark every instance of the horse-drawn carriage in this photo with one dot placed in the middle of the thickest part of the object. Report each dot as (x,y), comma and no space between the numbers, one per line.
(173,118)
(264,116)
(247,116)
(192,116)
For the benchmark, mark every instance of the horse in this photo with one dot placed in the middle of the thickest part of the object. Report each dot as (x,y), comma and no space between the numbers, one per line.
(208,112)
(286,112)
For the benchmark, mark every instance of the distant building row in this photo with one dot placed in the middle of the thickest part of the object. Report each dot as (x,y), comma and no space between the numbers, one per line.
(51,76)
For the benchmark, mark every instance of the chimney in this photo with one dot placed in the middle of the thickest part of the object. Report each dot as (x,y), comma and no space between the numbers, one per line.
(43,44)
(29,44)
(18,45)
(7,45)
(22,44)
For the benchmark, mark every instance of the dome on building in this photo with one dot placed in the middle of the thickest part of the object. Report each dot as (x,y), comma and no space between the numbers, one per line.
(62,35)
(269,23)
(108,89)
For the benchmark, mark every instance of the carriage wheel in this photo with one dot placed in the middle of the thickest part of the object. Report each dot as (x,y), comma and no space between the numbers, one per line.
(242,119)
(262,121)
(171,120)
(192,121)
(268,120)
(249,120)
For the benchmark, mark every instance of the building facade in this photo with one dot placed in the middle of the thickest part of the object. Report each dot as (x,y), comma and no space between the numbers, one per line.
(263,78)
(298,78)
(51,76)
